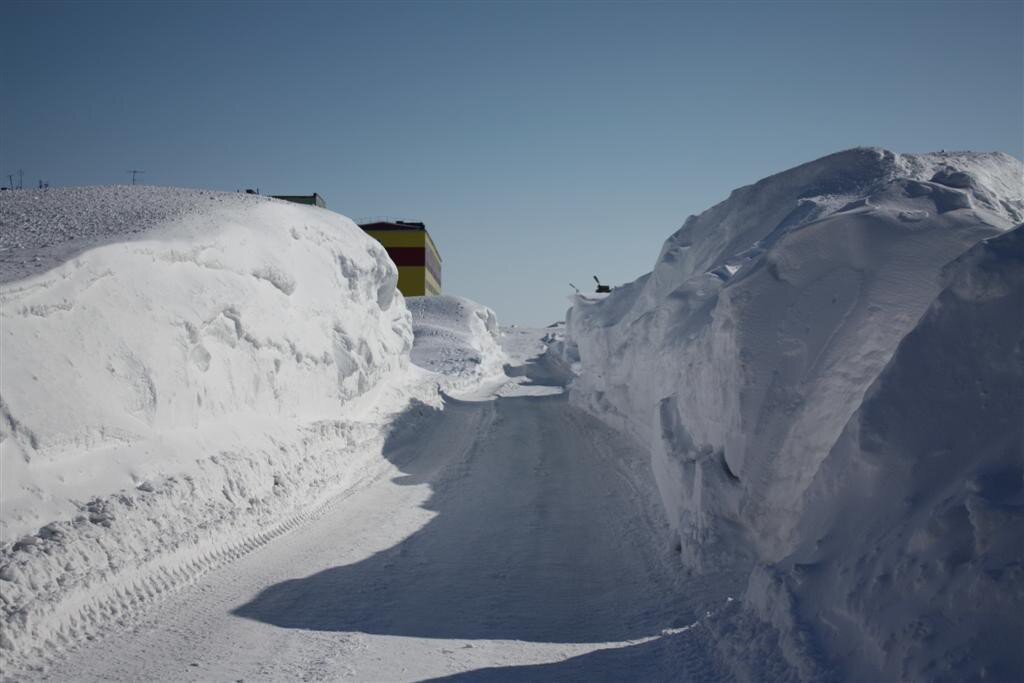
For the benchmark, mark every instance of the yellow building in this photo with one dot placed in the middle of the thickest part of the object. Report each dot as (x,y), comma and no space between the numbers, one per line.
(410,247)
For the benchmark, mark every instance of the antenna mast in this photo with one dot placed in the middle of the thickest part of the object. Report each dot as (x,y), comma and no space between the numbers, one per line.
(134,172)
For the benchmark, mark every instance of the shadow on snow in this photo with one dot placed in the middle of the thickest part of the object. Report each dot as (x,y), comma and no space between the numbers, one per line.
(652,661)
(514,552)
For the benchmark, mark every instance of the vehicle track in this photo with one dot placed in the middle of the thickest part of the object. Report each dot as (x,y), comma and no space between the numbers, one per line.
(515,538)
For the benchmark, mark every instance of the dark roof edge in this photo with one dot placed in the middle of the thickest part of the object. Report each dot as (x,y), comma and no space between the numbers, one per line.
(393,225)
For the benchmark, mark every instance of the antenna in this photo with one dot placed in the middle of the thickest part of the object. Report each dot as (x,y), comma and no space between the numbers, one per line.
(134,172)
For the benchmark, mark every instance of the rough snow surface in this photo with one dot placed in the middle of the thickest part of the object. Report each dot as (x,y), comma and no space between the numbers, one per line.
(44,228)
(458,339)
(508,537)
(754,361)
(913,540)
(185,375)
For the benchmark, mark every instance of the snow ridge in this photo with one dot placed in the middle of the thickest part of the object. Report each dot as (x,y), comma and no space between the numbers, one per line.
(185,374)
(743,357)
(927,476)
(69,581)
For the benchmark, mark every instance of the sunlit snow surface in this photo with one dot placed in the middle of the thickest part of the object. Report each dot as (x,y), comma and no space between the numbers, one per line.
(185,375)
(509,537)
(219,462)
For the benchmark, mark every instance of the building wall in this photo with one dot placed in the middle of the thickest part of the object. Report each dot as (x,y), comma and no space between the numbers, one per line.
(417,281)
(419,264)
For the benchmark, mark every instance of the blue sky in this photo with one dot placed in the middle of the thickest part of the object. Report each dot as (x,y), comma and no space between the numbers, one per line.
(542,143)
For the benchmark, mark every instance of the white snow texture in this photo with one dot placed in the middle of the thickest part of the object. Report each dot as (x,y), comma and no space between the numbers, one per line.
(186,374)
(456,338)
(830,404)
(827,368)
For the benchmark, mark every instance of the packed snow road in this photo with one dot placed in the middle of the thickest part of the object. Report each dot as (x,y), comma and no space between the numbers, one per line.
(515,538)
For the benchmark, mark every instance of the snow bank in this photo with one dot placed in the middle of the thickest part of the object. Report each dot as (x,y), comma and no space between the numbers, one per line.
(185,374)
(744,358)
(912,542)
(456,338)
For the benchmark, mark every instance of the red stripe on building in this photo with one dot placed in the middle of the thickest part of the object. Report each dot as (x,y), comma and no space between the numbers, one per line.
(408,256)
(415,256)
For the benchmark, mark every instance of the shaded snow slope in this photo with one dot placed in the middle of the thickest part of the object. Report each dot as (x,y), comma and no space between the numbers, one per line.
(743,356)
(183,373)
(913,540)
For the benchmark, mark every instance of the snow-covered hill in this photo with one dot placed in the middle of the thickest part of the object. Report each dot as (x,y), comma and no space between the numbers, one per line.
(183,373)
(759,360)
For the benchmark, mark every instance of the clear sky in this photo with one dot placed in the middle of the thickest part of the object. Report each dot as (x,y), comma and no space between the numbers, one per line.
(541,142)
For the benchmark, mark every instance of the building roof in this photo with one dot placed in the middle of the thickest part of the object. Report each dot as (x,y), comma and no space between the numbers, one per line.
(393,225)
(385,226)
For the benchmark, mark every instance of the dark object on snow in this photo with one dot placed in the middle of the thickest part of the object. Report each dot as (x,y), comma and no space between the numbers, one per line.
(602,289)
(310,199)
(575,287)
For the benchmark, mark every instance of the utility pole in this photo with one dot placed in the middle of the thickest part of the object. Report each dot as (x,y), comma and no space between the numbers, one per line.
(134,172)
(10,180)
(21,179)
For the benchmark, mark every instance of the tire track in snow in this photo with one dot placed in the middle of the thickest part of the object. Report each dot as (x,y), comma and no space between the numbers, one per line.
(515,533)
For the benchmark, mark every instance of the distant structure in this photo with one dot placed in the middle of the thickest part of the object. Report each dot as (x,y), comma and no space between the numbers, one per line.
(310,199)
(410,247)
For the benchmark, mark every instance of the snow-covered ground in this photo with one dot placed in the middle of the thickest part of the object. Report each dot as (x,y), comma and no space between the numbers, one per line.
(505,537)
(185,375)
(209,406)
(230,450)
(832,406)
(513,537)
(220,464)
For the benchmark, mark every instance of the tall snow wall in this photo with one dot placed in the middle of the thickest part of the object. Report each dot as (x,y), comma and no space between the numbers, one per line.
(745,357)
(181,377)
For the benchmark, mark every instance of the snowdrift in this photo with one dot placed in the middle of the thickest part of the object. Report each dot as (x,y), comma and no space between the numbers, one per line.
(912,538)
(759,362)
(185,374)
(456,338)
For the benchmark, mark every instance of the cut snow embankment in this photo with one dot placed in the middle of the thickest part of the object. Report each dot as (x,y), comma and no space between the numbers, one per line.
(912,541)
(185,375)
(759,360)
(458,339)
